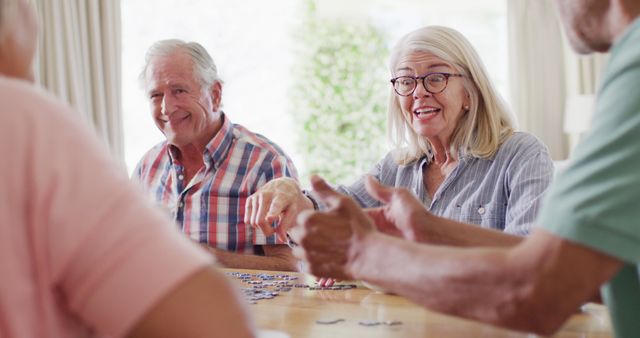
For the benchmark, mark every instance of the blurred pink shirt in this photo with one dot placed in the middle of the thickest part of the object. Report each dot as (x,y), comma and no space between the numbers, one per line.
(81,253)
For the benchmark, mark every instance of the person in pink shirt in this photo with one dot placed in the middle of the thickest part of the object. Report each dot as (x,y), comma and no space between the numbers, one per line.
(81,252)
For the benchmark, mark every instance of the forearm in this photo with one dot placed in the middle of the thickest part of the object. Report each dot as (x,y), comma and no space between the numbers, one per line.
(469,283)
(534,286)
(213,303)
(229,259)
(439,230)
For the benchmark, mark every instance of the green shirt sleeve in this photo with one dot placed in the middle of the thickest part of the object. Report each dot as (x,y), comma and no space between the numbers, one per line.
(596,201)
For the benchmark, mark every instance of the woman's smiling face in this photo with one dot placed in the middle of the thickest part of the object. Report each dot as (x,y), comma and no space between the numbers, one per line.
(433,116)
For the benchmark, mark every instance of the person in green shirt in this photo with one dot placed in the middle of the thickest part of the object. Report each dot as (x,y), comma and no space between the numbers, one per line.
(589,226)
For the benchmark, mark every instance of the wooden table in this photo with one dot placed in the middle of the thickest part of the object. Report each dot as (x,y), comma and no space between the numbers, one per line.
(296,312)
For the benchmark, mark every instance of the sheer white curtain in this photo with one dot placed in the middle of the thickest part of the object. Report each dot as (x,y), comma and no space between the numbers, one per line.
(79,59)
(583,77)
(584,72)
(537,71)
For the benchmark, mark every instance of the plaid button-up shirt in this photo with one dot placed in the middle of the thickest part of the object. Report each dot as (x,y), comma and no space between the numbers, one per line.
(210,208)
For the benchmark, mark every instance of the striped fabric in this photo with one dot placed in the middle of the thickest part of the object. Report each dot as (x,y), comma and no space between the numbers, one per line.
(210,208)
(502,193)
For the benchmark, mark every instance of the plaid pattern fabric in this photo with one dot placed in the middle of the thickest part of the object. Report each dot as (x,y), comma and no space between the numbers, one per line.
(210,208)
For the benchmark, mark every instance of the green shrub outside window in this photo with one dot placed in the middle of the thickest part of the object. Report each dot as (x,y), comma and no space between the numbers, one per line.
(339,96)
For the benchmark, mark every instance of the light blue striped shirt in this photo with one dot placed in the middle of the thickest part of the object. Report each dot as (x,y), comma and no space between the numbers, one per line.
(502,193)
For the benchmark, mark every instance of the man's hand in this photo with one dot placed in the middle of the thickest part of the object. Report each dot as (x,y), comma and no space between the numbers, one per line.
(329,241)
(278,200)
(401,213)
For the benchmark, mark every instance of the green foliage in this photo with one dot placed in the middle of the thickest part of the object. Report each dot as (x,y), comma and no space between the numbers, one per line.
(339,96)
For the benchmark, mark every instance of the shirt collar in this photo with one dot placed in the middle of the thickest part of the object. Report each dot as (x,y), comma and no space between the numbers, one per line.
(426,159)
(216,150)
(219,146)
(630,32)
(463,157)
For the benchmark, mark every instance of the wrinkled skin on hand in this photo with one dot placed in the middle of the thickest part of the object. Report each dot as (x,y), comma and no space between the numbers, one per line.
(399,214)
(329,240)
(278,200)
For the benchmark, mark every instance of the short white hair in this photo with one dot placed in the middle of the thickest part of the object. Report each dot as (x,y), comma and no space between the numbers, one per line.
(482,129)
(203,66)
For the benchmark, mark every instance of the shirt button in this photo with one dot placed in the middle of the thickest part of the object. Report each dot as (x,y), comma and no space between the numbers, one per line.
(181,177)
(181,204)
(481,211)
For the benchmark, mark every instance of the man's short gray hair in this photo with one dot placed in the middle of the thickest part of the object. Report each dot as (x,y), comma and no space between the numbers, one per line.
(203,66)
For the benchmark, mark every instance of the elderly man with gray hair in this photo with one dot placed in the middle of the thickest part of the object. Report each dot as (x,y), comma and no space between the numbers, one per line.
(87,257)
(207,166)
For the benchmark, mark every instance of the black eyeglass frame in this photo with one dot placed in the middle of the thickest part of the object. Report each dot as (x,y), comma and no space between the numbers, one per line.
(422,78)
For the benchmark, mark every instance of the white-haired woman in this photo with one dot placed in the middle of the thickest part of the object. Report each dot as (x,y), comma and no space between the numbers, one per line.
(456,150)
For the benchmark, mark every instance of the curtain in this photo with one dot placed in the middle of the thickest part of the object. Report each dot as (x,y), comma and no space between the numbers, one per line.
(583,75)
(537,71)
(584,72)
(79,60)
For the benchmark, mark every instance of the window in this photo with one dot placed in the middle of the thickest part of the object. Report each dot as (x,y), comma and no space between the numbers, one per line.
(248,40)
(253,43)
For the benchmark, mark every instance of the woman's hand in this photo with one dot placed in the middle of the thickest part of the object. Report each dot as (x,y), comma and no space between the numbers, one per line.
(401,214)
(326,282)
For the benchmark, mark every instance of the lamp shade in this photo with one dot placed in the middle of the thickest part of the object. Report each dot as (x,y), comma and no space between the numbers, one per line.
(577,113)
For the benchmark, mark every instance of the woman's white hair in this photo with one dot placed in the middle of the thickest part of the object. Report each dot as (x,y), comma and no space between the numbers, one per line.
(481,130)
(203,66)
